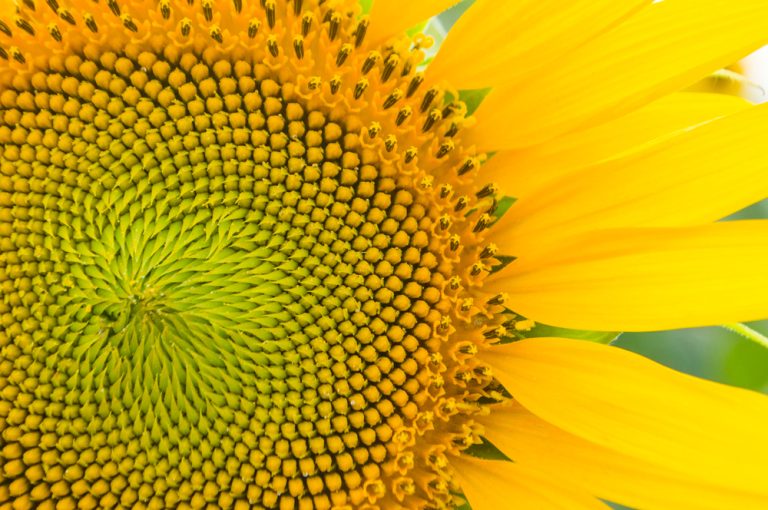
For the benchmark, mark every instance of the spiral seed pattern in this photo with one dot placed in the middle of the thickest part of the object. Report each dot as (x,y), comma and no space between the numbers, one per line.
(235,272)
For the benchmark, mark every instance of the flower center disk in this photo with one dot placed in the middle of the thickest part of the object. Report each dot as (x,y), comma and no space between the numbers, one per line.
(233,277)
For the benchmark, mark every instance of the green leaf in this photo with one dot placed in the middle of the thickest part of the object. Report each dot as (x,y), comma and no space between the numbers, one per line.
(745,364)
(420,29)
(503,206)
(452,15)
(366,4)
(746,332)
(465,506)
(543,330)
(486,450)
(472,98)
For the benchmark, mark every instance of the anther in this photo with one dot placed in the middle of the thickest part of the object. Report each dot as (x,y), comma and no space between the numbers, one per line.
(298,46)
(489,251)
(344,52)
(306,23)
(453,242)
(393,98)
(492,206)
(433,117)
(186,26)
(488,190)
(297,4)
(370,61)
(253,27)
(438,486)
(511,322)
(468,165)
(445,190)
(5,29)
(360,88)
(208,9)
(270,6)
(403,115)
(16,54)
(3,54)
(498,299)
(444,324)
(428,98)
(67,16)
(449,109)
(445,222)
(165,8)
(55,32)
(454,283)
(114,7)
(24,25)
(477,268)
(404,486)
(215,33)
(128,23)
(462,441)
(390,143)
(389,66)
(438,460)
(53,4)
(314,83)
(333,26)
(494,333)
(90,22)
(374,129)
(452,130)
(483,223)
(461,203)
(238,5)
(335,84)
(427,182)
(410,154)
(445,148)
(360,31)
(407,68)
(413,86)
(274,50)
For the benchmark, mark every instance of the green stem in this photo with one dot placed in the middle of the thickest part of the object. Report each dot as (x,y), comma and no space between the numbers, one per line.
(747,333)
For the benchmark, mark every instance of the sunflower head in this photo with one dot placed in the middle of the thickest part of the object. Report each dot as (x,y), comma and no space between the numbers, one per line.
(242,251)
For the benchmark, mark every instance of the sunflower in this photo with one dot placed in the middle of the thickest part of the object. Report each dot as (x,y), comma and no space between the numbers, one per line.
(263,255)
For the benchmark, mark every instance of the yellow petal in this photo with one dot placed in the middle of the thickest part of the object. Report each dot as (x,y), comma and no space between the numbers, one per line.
(630,404)
(7,9)
(607,474)
(519,173)
(663,48)
(392,17)
(696,177)
(497,42)
(495,485)
(644,279)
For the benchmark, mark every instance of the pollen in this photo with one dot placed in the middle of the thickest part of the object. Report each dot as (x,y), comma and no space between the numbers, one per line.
(241,254)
